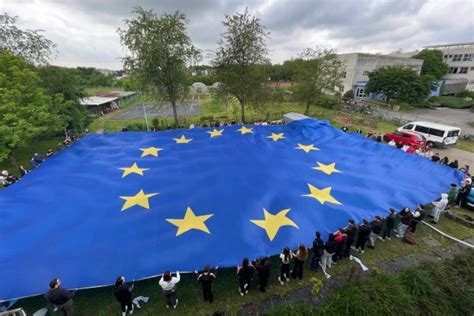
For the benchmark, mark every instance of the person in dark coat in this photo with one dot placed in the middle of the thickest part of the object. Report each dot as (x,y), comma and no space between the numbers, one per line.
(318,248)
(405,216)
(464,192)
(375,230)
(60,297)
(389,224)
(206,278)
(351,231)
(245,273)
(328,253)
(123,294)
(263,270)
(363,237)
(418,215)
(300,256)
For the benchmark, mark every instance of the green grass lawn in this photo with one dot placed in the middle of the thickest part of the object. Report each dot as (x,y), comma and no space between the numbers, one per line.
(100,301)
(466,145)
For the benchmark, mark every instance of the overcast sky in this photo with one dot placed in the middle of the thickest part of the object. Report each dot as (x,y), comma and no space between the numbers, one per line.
(86,30)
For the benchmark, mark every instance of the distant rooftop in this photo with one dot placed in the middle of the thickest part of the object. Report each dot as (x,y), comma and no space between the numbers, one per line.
(454,45)
(96,101)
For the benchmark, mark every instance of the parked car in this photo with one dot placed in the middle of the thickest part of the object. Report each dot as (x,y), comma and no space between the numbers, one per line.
(437,135)
(470,200)
(406,138)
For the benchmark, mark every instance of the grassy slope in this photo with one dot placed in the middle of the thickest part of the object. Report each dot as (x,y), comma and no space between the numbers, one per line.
(101,301)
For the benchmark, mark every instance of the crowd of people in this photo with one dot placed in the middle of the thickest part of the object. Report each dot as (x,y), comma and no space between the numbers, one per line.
(426,151)
(7,178)
(339,245)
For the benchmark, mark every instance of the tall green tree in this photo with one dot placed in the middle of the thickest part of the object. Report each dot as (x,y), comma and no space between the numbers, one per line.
(316,72)
(31,45)
(160,50)
(241,57)
(433,63)
(64,84)
(26,111)
(400,83)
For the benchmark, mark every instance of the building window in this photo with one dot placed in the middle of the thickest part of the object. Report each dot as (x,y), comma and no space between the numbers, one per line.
(344,74)
(457,57)
(467,57)
(445,56)
(360,93)
(450,56)
(472,68)
(453,70)
(463,70)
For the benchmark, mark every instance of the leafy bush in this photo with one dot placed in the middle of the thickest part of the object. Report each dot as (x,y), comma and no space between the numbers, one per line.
(453,102)
(136,127)
(328,101)
(465,94)
(348,95)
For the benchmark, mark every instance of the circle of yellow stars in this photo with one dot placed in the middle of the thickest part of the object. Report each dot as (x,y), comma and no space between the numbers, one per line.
(271,223)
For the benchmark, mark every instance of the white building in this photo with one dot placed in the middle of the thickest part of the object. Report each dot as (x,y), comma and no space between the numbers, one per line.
(460,59)
(357,65)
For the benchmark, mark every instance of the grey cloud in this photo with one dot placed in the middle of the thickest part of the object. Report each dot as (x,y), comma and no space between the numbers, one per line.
(85,30)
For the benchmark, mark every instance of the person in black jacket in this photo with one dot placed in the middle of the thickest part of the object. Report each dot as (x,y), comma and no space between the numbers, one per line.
(375,230)
(351,231)
(263,270)
(245,274)
(123,294)
(405,220)
(328,253)
(60,297)
(389,224)
(418,215)
(364,233)
(206,278)
(318,248)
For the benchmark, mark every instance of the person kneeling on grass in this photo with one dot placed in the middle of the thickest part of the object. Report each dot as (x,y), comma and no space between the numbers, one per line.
(245,274)
(123,294)
(206,278)
(168,284)
(285,257)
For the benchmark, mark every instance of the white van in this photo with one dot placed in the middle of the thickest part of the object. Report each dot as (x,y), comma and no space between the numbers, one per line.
(438,135)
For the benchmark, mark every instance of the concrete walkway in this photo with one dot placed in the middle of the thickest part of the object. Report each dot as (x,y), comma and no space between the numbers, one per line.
(447,116)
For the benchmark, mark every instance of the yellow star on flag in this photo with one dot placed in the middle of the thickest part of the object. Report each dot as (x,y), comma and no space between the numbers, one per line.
(182,140)
(276,137)
(133,169)
(190,221)
(273,223)
(327,169)
(306,148)
(215,133)
(140,199)
(150,151)
(244,130)
(323,195)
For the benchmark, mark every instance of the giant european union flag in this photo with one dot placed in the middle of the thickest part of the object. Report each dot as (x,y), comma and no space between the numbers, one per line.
(137,204)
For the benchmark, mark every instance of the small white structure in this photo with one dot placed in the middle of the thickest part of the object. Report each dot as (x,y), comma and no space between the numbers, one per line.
(199,87)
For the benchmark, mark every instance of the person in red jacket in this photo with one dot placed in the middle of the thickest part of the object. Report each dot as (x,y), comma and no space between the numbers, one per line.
(341,241)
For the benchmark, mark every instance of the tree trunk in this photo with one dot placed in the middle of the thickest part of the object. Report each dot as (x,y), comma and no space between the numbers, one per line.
(306,110)
(175,113)
(242,111)
(12,159)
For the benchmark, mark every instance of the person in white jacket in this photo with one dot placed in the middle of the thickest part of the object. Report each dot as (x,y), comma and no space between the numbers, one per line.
(439,207)
(168,284)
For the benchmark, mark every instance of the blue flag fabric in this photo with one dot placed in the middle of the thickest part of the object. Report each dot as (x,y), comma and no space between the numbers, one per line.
(138,204)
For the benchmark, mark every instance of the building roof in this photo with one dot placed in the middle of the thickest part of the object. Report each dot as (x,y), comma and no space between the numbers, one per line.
(119,94)
(454,45)
(96,100)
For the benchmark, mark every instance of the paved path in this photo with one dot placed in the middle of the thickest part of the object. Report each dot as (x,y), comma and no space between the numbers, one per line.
(163,110)
(447,116)
(462,156)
